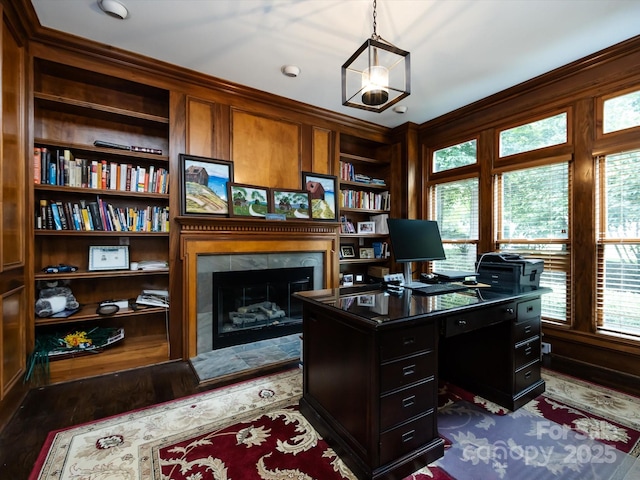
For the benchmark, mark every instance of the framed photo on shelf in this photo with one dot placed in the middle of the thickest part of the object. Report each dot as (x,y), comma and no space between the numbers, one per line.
(248,200)
(322,193)
(347,280)
(347,251)
(366,252)
(290,203)
(204,185)
(366,227)
(112,257)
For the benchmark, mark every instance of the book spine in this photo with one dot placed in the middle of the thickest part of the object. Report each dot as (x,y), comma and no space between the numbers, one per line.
(37,165)
(63,217)
(57,223)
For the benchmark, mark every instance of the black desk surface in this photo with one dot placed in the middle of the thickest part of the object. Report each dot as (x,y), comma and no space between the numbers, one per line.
(376,307)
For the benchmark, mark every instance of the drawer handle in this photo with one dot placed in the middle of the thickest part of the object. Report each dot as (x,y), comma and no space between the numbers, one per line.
(461,323)
(409,370)
(528,350)
(527,329)
(409,401)
(510,311)
(527,375)
(529,309)
(408,436)
(408,340)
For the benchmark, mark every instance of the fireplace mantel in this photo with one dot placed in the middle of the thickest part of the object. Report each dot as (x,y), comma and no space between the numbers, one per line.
(222,236)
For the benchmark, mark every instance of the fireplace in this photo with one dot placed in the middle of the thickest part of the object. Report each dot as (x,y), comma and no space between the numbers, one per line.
(212,245)
(256,305)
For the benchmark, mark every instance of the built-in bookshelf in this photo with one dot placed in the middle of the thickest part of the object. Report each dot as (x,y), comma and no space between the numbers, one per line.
(101,179)
(364,205)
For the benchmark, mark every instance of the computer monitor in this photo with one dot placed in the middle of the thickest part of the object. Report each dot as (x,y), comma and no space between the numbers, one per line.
(414,241)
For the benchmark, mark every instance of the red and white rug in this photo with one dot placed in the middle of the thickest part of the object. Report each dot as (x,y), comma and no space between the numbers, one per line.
(253,430)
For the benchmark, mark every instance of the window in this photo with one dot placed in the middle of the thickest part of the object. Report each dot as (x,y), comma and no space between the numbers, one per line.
(455,207)
(532,215)
(532,136)
(455,156)
(621,112)
(618,243)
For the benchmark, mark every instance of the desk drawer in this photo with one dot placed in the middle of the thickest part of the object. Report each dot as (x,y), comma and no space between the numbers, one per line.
(527,376)
(399,343)
(468,322)
(529,309)
(405,404)
(406,371)
(527,352)
(405,438)
(526,329)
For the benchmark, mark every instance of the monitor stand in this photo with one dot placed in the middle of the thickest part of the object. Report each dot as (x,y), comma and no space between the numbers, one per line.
(408,280)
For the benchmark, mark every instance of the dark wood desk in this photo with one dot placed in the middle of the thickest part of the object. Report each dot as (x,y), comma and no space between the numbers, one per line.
(371,363)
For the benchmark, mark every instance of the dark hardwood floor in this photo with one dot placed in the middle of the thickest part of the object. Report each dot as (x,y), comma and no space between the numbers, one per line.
(54,407)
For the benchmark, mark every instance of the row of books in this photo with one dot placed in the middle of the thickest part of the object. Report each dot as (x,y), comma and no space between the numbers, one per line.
(101,216)
(365,200)
(60,167)
(348,173)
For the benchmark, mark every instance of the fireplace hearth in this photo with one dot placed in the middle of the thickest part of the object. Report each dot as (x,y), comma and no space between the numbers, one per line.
(256,305)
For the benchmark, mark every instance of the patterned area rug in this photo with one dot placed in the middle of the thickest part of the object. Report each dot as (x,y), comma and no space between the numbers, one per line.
(253,430)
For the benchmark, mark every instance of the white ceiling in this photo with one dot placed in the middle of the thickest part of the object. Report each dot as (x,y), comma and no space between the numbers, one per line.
(461,50)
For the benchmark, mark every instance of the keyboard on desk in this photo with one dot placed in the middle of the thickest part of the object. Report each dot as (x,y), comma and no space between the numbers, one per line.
(437,288)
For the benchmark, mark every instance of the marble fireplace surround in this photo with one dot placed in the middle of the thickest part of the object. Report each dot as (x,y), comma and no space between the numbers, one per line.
(203,236)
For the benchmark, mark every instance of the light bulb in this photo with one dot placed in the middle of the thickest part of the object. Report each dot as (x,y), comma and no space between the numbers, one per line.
(374,82)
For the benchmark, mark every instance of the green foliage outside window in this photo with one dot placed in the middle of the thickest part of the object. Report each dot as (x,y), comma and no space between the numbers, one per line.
(531,136)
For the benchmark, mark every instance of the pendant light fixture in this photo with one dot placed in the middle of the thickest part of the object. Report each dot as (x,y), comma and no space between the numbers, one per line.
(377,75)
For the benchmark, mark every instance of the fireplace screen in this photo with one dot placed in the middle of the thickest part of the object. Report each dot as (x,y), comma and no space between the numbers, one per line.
(257,304)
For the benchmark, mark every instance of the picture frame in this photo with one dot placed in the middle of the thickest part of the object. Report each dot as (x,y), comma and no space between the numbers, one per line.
(366,252)
(366,301)
(290,203)
(247,200)
(347,280)
(204,185)
(323,195)
(366,228)
(347,251)
(108,257)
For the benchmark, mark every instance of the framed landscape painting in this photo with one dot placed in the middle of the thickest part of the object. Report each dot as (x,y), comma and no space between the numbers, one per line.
(322,192)
(290,203)
(248,200)
(204,184)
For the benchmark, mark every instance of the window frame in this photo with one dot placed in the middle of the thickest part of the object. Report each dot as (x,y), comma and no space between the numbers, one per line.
(561,261)
(432,205)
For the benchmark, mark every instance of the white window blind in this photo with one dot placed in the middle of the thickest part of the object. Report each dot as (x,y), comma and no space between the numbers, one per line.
(618,243)
(533,218)
(455,207)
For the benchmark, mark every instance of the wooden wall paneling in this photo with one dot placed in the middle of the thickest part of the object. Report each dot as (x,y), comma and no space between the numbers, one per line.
(486,156)
(13,338)
(13,219)
(200,127)
(322,152)
(265,151)
(583,227)
(177,145)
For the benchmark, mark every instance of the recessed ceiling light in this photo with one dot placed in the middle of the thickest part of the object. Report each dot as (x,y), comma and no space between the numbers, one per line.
(114,9)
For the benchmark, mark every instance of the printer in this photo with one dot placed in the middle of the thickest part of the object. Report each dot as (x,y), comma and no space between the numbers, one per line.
(508,271)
